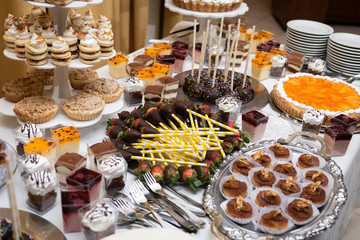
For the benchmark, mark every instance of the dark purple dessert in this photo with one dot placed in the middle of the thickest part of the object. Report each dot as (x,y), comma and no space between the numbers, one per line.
(263,47)
(165,59)
(88,179)
(72,199)
(180,45)
(196,90)
(180,55)
(348,122)
(337,138)
(273,43)
(254,123)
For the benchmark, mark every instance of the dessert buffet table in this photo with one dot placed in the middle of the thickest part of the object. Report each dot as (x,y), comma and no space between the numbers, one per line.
(277,127)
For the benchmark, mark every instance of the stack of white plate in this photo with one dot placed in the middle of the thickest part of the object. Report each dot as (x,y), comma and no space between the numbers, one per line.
(307,37)
(343,53)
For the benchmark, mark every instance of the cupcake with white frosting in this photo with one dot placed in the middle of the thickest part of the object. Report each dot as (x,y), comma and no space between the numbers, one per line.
(44,20)
(36,11)
(10,38)
(60,52)
(89,18)
(103,21)
(49,35)
(22,37)
(89,50)
(106,43)
(28,19)
(36,51)
(73,14)
(78,22)
(70,37)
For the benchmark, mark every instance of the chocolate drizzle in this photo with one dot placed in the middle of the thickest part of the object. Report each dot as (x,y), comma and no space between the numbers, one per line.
(112,161)
(33,159)
(31,129)
(40,178)
(99,211)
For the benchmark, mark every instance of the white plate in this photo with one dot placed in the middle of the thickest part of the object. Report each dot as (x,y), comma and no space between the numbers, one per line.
(310,27)
(342,72)
(151,234)
(346,39)
(305,36)
(343,48)
(353,55)
(74,4)
(12,56)
(305,40)
(114,107)
(342,66)
(7,107)
(306,50)
(340,57)
(305,45)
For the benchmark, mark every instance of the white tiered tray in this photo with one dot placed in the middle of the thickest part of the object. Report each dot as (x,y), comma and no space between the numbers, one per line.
(74,4)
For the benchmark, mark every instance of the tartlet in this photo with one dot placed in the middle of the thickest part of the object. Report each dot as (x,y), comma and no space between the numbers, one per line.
(242,166)
(261,158)
(108,89)
(80,77)
(233,187)
(262,177)
(17,89)
(314,193)
(288,186)
(308,161)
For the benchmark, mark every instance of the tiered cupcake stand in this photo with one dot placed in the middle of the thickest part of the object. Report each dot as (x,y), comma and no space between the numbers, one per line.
(61,90)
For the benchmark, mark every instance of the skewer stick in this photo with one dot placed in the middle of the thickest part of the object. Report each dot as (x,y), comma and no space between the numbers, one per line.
(216,138)
(210,50)
(227,63)
(233,64)
(217,52)
(168,161)
(228,47)
(203,50)
(193,49)
(248,58)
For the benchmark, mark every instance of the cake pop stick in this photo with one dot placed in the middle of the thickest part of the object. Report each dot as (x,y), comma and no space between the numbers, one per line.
(217,52)
(193,49)
(227,63)
(203,50)
(210,46)
(233,64)
(237,35)
(168,161)
(248,58)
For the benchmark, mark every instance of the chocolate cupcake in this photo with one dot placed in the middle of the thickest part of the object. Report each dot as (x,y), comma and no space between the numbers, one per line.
(309,161)
(280,152)
(242,165)
(288,186)
(261,158)
(239,210)
(273,220)
(315,194)
(234,186)
(267,197)
(260,177)
(286,170)
(301,211)
(316,175)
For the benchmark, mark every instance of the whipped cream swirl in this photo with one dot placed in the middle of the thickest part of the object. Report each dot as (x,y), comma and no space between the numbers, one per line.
(103,21)
(70,32)
(12,31)
(112,166)
(11,19)
(27,132)
(106,36)
(99,218)
(59,43)
(89,41)
(37,41)
(41,183)
(134,84)
(36,11)
(313,117)
(73,14)
(35,163)
(278,61)
(23,34)
(36,27)
(49,33)
(77,22)
(88,15)
(316,64)
(228,104)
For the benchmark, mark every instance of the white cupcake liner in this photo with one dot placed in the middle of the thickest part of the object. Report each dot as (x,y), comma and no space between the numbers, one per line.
(268,151)
(322,161)
(297,177)
(239,178)
(257,222)
(254,194)
(240,220)
(250,160)
(273,160)
(315,211)
(327,195)
(330,184)
(251,174)
(290,195)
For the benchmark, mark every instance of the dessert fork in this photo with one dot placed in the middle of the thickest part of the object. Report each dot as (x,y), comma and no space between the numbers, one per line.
(156,187)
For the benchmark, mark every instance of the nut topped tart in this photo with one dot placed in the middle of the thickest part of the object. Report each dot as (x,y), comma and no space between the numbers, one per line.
(36,109)
(208,5)
(108,89)
(299,92)
(83,106)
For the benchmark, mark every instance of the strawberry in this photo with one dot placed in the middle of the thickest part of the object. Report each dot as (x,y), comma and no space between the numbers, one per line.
(171,175)
(181,107)
(159,104)
(137,113)
(203,174)
(130,135)
(210,165)
(113,131)
(142,168)
(229,124)
(139,123)
(166,111)
(214,156)
(129,122)
(126,155)
(153,116)
(124,115)
(116,122)
(204,109)
(158,173)
(227,147)
(189,175)
(132,150)
(149,130)
(215,116)
(147,106)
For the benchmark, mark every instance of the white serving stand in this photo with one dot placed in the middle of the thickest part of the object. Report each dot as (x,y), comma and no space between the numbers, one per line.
(61,89)
(203,16)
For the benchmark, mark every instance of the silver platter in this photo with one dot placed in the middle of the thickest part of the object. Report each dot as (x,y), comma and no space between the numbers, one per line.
(259,100)
(223,227)
(35,225)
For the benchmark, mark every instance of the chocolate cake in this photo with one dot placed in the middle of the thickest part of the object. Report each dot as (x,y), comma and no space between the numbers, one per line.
(238,208)
(288,186)
(267,198)
(300,210)
(314,193)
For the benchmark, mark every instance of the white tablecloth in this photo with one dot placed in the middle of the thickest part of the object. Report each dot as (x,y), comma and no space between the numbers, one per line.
(280,128)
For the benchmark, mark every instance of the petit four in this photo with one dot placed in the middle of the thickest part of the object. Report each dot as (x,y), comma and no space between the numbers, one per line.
(254,123)
(314,193)
(180,55)
(49,35)
(132,68)
(24,134)
(288,186)
(317,176)
(36,51)
(89,50)
(146,75)
(301,211)
(286,169)
(294,62)
(134,91)
(348,122)
(10,38)
(267,197)
(153,93)
(60,52)
(21,38)
(171,86)
(67,138)
(66,164)
(41,146)
(242,166)
(274,220)
(145,60)
(234,188)
(34,163)
(261,177)
(260,68)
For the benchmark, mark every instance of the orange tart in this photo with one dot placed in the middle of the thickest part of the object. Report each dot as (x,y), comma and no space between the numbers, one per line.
(288,186)
(314,193)
(299,92)
(300,210)
(316,176)
(234,188)
(263,178)
(274,219)
(238,208)
(242,166)
(307,161)
(262,158)
(266,198)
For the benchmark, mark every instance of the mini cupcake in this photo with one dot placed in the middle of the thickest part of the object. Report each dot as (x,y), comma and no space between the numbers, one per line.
(89,50)
(307,160)
(28,19)
(260,177)
(233,186)
(10,38)
(108,89)
(273,221)
(36,11)
(106,43)
(22,37)
(89,18)
(36,51)
(280,152)
(315,175)
(315,193)
(262,159)
(239,210)
(10,20)
(36,28)
(242,165)
(60,54)
(285,169)
(289,187)
(78,23)
(301,211)
(267,197)
(103,21)
(49,35)
(73,14)
(70,36)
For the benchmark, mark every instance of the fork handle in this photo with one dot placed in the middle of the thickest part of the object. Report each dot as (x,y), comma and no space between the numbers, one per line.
(158,218)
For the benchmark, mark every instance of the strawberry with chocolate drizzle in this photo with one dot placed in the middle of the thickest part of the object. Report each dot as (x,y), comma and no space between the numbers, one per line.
(189,175)
(171,175)
(153,116)
(130,135)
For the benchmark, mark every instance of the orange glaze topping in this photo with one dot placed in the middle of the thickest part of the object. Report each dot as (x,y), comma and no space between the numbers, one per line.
(277,51)
(119,58)
(264,55)
(66,134)
(162,69)
(146,73)
(39,146)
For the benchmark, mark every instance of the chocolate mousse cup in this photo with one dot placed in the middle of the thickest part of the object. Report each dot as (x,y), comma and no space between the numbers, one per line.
(338,139)
(133,91)
(228,107)
(348,122)
(312,120)
(254,123)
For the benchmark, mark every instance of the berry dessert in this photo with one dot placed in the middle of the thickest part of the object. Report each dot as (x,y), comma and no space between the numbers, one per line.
(338,139)
(348,122)
(88,179)
(254,123)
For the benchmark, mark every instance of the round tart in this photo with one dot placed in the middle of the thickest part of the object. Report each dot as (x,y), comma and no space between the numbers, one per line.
(108,89)
(208,6)
(261,158)
(288,186)
(308,161)
(329,95)
(286,169)
(314,193)
(241,166)
(260,177)
(80,77)
(83,106)
(239,210)
(233,187)
(36,109)
(301,210)
(44,75)
(18,89)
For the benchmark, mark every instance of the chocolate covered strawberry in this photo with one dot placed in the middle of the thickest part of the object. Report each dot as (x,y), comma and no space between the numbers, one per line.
(166,111)
(130,135)
(210,165)
(139,123)
(214,156)
(146,107)
(116,122)
(142,168)
(159,104)
(125,155)
(181,117)
(189,175)
(171,175)
(203,174)
(118,143)
(137,113)
(215,116)
(113,131)
(149,130)
(132,150)
(153,116)
(124,115)
(204,109)
(227,147)
(158,173)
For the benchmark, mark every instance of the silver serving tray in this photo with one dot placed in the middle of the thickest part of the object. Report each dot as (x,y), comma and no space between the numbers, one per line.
(224,228)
